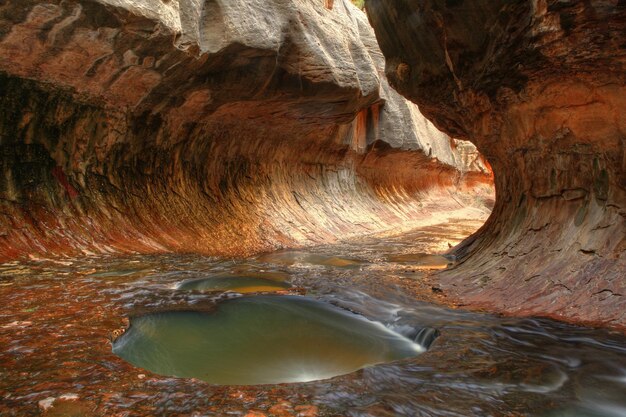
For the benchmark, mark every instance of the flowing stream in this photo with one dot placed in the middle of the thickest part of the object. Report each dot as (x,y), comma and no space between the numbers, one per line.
(346,328)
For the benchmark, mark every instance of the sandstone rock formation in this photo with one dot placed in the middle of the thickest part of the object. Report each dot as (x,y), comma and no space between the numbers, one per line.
(218,127)
(540,87)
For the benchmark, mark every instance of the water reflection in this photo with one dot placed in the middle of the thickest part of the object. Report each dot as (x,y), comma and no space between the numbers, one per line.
(260,340)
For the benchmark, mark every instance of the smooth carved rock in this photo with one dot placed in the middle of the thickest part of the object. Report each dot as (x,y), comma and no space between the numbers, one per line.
(221,127)
(540,87)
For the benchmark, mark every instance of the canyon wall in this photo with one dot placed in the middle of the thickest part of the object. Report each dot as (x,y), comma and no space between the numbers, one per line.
(540,87)
(216,127)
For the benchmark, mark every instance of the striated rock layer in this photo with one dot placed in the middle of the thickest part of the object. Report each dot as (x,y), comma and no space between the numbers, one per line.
(540,87)
(218,127)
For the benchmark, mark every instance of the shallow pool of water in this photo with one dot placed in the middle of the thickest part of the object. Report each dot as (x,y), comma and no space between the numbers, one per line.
(58,318)
(236,283)
(261,340)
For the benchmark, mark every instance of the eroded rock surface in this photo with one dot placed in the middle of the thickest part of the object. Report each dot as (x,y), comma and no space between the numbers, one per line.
(219,127)
(540,87)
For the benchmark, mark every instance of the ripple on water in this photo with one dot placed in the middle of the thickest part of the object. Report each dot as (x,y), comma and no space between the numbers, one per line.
(260,340)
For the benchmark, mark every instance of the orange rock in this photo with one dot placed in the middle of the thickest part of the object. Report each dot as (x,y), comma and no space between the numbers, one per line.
(547,110)
(249,146)
(306,410)
(281,409)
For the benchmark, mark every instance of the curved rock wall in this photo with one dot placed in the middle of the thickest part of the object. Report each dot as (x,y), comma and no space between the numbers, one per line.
(218,127)
(540,87)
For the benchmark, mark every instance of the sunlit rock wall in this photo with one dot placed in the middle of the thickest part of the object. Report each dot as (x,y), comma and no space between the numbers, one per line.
(217,127)
(540,87)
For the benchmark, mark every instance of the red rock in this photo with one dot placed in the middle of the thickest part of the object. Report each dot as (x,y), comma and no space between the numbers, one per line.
(255,414)
(281,409)
(306,410)
(226,136)
(540,88)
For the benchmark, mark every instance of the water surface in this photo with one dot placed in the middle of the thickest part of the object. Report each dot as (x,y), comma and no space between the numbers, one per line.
(57,319)
(236,283)
(260,340)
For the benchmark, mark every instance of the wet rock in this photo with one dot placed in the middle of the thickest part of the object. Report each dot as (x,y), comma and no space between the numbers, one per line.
(46,403)
(422,260)
(66,405)
(425,337)
(306,410)
(540,88)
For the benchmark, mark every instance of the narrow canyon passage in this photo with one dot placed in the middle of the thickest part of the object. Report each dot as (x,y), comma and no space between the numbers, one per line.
(236,207)
(115,139)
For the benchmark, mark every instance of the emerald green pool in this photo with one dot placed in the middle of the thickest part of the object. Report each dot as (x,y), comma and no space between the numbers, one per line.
(260,340)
